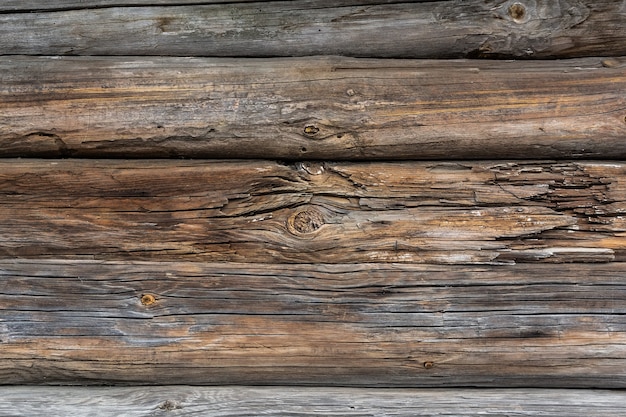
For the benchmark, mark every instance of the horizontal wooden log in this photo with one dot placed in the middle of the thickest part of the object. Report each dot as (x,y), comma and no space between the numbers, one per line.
(29,6)
(90,322)
(444,29)
(262,211)
(312,108)
(284,401)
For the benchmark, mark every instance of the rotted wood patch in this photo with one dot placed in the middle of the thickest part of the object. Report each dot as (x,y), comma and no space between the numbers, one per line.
(409,29)
(312,108)
(25,401)
(309,212)
(97,322)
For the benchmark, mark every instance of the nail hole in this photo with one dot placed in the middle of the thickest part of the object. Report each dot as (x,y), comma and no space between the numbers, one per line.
(428,364)
(148,299)
(303,149)
(339,136)
(517,11)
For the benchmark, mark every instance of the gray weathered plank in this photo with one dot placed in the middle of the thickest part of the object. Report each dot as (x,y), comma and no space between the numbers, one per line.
(90,322)
(29,6)
(312,108)
(294,401)
(263,211)
(445,29)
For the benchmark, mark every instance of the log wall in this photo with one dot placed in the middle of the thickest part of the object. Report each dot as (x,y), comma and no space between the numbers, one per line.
(365,201)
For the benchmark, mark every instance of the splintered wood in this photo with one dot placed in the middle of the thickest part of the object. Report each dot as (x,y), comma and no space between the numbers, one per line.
(260,211)
(349,305)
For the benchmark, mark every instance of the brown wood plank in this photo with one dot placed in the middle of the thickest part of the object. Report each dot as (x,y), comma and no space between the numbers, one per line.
(445,29)
(283,401)
(91,322)
(263,211)
(312,108)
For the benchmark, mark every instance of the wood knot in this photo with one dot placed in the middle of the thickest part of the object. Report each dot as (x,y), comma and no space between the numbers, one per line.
(610,63)
(428,364)
(311,168)
(168,405)
(305,221)
(517,11)
(311,130)
(148,299)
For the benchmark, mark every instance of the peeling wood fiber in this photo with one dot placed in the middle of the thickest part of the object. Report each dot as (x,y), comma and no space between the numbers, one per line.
(307,212)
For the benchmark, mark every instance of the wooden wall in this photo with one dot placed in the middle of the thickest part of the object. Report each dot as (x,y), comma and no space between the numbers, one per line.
(408,198)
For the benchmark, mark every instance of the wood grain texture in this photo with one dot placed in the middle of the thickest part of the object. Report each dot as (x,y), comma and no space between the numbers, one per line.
(90,322)
(293,401)
(445,29)
(29,6)
(312,108)
(262,211)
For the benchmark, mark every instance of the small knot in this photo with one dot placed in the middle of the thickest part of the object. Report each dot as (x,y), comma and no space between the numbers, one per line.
(428,364)
(311,130)
(305,221)
(517,11)
(312,168)
(148,299)
(168,405)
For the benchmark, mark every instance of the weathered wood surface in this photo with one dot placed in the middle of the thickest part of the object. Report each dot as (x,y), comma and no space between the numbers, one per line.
(29,6)
(445,29)
(312,108)
(290,401)
(263,211)
(90,322)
